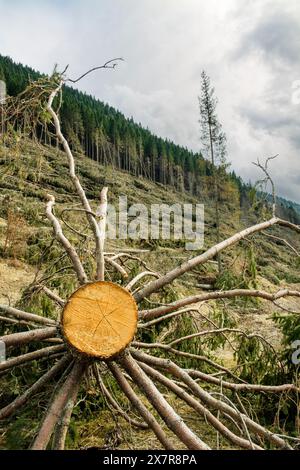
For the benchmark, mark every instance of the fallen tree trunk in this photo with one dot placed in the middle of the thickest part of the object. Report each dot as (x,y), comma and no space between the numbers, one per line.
(154,286)
(32,356)
(17,339)
(69,388)
(171,418)
(36,387)
(141,408)
(31,317)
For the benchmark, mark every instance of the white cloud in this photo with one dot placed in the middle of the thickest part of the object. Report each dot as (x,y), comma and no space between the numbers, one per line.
(166,44)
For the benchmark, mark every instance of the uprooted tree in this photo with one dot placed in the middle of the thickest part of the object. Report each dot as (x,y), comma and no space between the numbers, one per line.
(100,328)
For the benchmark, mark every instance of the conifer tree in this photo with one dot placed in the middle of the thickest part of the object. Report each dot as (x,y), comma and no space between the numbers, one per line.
(214,142)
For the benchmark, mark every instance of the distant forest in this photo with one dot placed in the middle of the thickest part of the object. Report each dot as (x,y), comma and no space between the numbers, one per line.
(107,136)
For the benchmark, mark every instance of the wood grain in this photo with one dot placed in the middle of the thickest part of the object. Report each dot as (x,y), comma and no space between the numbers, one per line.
(100,319)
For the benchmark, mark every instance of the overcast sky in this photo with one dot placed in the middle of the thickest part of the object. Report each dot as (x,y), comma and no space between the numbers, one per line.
(250,49)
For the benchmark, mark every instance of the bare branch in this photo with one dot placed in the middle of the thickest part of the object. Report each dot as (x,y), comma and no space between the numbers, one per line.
(154,286)
(113,402)
(110,64)
(264,168)
(32,356)
(172,420)
(70,386)
(285,242)
(199,408)
(157,312)
(16,339)
(140,276)
(101,216)
(138,404)
(79,189)
(176,352)
(36,387)
(209,400)
(30,317)
(117,266)
(78,268)
(53,296)
(243,387)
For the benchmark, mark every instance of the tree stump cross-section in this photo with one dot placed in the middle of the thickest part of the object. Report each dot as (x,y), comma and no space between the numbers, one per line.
(100,319)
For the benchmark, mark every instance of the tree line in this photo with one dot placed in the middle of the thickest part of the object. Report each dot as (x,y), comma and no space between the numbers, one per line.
(105,135)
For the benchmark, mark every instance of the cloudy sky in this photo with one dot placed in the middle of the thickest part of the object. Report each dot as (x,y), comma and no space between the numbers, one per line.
(250,49)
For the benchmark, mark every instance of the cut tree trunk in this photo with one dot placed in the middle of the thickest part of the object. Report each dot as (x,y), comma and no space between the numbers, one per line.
(100,319)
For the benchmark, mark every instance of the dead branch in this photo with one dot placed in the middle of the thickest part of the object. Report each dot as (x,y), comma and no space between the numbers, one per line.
(77,265)
(176,352)
(154,286)
(282,240)
(157,312)
(117,266)
(30,317)
(101,216)
(16,339)
(36,387)
(60,401)
(166,317)
(172,420)
(133,258)
(14,321)
(216,331)
(110,64)
(53,296)
(113,402)
(199,408)
(138,404)
(74,178)
(62,426)
(32,356)
(242,387)
(140,276)
(268,178)
(209,400)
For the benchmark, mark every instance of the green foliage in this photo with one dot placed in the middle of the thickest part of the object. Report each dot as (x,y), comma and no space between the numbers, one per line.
(289,325)
(256,360)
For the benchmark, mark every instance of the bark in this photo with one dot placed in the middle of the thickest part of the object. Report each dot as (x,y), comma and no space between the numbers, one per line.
(199,408)
(117,266)
(61,429)
(58,404)
(36,387)
(197,357)
(140,407)
(210,401)
(79,189)
(101,215)
(32,356)
(171,418)
(140,276)
(17,339)
(70,250)
(154,286)
(157,312)
(31,317)
(165,317)
(52,295)
(114,403)
(242,387)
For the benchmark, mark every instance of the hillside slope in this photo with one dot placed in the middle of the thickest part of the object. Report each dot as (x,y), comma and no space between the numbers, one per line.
(29,171)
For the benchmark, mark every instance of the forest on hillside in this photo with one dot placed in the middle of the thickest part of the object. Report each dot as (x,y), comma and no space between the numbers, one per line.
(106,136)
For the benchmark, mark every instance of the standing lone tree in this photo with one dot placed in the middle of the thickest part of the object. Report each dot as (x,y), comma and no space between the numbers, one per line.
(213,140)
